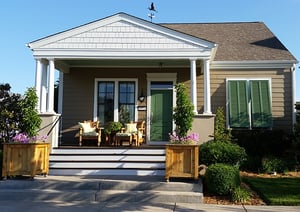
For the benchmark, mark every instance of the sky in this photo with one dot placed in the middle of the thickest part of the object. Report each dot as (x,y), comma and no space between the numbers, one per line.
(25,21)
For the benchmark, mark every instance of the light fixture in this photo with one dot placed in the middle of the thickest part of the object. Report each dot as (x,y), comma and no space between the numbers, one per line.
(141,97)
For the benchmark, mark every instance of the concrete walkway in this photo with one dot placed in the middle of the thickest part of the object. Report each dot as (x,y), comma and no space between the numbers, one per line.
(13,198)
(12,206)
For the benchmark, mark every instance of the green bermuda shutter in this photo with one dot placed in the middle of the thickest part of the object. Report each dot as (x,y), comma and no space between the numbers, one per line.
(238,104)
(260,103)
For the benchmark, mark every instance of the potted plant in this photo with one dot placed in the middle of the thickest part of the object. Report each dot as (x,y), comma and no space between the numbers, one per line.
(26,153)
(182,151)
(110,130)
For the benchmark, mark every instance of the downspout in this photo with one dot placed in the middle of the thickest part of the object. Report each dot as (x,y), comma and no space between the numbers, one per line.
(293,73)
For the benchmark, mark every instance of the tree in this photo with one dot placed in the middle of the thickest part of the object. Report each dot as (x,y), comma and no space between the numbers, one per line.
(31,120)
(183,112)
(10,113)
(17,114)
(221,133)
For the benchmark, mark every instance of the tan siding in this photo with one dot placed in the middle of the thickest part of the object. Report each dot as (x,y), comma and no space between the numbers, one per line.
(281,92)
(79,91)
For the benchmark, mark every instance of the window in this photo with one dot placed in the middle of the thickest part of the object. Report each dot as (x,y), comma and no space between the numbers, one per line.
(126,101)
(116,100)
(106,101)
(249,104)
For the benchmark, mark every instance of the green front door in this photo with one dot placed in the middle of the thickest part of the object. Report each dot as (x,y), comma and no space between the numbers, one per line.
(161,114)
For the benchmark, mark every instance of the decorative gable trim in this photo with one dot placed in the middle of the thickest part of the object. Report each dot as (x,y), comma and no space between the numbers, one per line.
(121,36)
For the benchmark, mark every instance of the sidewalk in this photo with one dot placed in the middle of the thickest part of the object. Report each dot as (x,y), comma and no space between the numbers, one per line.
(11,206)
(14,198)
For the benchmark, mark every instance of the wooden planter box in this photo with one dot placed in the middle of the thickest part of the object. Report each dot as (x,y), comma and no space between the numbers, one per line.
(182,161)
(25,159)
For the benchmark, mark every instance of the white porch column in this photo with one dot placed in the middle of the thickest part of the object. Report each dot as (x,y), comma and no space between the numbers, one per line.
(193,84)
(50,102)
(207,98)
(60,92)
(44,88)
(38,83)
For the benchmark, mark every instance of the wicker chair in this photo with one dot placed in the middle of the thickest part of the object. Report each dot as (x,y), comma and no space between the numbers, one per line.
(89,130)
(129,133)
(140,133)
(133,132)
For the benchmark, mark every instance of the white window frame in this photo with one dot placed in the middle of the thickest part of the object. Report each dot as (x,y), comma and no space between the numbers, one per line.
(116,103)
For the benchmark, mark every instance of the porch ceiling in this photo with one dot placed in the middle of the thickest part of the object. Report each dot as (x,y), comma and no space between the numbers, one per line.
(65,64)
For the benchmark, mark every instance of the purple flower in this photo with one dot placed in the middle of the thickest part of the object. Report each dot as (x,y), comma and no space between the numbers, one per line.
(189,139)
(24,138)
(21,138)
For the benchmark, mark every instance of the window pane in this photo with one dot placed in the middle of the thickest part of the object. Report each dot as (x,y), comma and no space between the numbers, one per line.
(261,103)
(238,104)
(161,85)
(105,102)
(126,101)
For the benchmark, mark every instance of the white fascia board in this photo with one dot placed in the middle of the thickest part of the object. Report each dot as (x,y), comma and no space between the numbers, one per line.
(122,54)
(168,32)
(118,17)
(71,32)
(259,64)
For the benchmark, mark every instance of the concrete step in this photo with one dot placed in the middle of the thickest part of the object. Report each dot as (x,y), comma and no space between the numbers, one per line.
(108,161)
(105,189)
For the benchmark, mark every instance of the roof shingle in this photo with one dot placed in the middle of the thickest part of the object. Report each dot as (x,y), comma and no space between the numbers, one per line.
(241,41)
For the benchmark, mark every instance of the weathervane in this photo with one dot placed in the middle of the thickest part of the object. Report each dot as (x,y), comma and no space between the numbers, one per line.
(152,10)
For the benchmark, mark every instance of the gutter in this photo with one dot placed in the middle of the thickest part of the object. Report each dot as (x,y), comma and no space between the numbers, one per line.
(294,111)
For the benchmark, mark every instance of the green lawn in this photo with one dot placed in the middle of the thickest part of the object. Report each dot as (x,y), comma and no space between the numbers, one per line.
(276,191)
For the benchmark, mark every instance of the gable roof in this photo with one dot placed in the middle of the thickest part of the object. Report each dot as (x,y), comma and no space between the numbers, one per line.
(235,42)
(247,41)
(121,36)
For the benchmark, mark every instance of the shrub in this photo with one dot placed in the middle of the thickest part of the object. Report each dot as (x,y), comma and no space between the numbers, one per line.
(220,132)
(240,194)
(221,179)
(253,164)
(221,152)
(1,159)
(273,164)
(263,142)
(183,112)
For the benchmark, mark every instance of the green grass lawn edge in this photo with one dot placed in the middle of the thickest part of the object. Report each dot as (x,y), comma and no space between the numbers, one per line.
(276,191)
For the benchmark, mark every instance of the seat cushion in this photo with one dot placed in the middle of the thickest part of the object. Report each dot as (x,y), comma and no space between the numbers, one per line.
(131,128)
(123,134)
(87,129)
(90,134)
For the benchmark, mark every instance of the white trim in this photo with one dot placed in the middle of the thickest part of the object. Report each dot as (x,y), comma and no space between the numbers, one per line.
(158,77)
(193,78)
(198,47)
(60,92)
(50,99)
(294,112)
(207,95)
(116,97)
(126,18)
(120,54)
(44,87)
(247,79)
(38,83)
(259,64)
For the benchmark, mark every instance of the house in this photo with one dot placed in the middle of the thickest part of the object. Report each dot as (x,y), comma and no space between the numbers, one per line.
(110,63)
